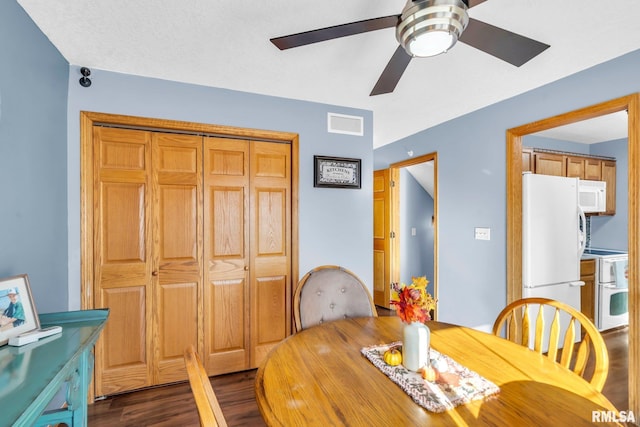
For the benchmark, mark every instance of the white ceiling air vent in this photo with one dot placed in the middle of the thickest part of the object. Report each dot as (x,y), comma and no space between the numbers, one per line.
(340,123)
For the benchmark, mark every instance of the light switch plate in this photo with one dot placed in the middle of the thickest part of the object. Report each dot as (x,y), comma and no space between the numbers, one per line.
(483,233)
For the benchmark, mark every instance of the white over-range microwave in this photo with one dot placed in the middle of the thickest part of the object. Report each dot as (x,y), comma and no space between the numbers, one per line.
(592,196)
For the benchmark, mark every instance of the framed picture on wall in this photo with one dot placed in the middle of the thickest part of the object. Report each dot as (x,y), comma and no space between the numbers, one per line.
(17,311)
(336,172)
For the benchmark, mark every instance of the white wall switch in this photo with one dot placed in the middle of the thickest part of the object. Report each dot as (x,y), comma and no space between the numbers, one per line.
(483,233)
(413,231)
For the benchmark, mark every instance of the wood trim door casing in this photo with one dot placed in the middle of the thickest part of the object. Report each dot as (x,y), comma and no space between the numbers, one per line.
(87,201)
(630,103)
(395,219)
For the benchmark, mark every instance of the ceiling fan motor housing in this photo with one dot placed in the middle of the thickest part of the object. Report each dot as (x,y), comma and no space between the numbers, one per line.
(431,27)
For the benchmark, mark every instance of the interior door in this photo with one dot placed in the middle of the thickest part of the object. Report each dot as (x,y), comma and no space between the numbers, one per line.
(381,237)
(123,258)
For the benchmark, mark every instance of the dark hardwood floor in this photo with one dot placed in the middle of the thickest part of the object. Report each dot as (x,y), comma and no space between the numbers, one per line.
(173,405)
(616,388)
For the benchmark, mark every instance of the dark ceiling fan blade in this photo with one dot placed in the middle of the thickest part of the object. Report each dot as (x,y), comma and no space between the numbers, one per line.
(510,47)
(337,31)
(392,72)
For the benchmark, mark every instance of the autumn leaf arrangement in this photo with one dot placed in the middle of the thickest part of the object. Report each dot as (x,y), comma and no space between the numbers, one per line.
(412,302)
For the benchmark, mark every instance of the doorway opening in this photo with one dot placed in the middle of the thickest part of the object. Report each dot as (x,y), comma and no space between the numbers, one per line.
(405,226)
(631,104)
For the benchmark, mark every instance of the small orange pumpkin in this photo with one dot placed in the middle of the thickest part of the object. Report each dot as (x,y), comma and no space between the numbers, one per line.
(429,373)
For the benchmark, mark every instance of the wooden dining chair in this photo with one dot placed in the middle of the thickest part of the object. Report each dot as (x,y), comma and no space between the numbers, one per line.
(209,410)
(514,321)
(330,292)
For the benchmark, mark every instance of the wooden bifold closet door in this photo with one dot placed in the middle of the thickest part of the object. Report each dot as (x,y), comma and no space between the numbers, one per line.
(192,245)
(247,245)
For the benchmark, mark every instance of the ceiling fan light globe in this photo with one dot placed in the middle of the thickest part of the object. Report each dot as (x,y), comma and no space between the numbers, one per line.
(431,27)
(431,44)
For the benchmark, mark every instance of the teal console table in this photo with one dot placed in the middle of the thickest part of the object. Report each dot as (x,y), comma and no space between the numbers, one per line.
(31,375)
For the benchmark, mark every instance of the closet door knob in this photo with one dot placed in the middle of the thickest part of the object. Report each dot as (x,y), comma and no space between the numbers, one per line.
(154,273)
(246,268)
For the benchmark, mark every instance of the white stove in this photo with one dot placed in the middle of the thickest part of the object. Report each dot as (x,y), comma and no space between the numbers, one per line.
(597,252)
(612,290)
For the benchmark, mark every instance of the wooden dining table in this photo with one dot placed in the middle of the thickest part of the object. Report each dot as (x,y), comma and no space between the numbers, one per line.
(320,377)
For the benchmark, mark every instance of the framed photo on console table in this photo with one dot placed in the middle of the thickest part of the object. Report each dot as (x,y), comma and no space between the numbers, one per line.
(17,311)
(336,172)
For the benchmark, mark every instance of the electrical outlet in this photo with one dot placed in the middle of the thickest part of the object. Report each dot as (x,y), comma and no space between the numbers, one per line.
(483,233)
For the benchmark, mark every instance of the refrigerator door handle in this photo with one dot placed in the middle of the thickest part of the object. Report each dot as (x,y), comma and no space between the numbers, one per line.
(577,283)
(583,232)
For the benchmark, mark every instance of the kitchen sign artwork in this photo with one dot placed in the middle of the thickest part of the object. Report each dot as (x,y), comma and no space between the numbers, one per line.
(336,172)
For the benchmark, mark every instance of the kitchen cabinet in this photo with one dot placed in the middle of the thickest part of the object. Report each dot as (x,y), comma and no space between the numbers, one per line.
(527,159)
(573,165)
(584,168)
(550,164)
(593,169)
(588,291)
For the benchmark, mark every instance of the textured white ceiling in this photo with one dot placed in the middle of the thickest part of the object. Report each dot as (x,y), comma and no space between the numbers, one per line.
(226,44)
(600,129)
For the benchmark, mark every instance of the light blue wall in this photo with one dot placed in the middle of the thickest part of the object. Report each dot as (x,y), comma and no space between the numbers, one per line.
(611,232)
(472,182)
(33,172)
(534,141)
(335,224)
(416,210)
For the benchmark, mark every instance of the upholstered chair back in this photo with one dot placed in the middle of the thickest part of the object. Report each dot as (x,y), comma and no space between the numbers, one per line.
(329,293)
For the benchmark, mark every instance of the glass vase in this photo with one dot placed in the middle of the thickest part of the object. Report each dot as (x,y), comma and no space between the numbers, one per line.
(415,345)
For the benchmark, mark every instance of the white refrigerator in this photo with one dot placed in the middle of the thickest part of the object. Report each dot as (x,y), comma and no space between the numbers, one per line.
(552,240)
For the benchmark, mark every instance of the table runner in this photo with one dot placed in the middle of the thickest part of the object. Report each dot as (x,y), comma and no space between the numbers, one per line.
(455,384)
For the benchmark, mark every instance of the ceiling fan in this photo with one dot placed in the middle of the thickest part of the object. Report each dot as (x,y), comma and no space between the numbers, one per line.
(427,28)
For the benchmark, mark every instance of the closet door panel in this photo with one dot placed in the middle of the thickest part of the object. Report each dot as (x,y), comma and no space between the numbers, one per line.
(226,183)
(272,296)
(123,257)
(123,233)
(178,225)
(227,213)
(128,365)
(227,339)
(270,220)
(177,272)
(176,328)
